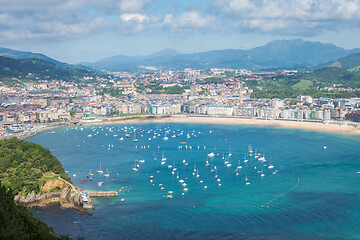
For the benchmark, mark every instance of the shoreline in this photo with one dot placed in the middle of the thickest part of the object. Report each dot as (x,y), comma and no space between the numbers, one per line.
(339,127)
(350,128)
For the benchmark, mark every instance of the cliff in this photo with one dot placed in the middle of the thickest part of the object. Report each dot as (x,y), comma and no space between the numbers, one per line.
(68,197)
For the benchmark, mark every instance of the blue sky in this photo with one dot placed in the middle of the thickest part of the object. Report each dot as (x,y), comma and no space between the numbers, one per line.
(87,30)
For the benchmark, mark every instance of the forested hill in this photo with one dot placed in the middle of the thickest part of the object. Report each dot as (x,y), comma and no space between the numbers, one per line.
(34,69)
(17,222)
(26,166)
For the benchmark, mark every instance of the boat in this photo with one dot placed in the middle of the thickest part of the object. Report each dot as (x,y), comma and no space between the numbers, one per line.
(250,151)
(270,166)
(163,158)
(100,184)
(89,135)
(165,138)
(136,167)
(229,154)
(135,139)
(107,173)
(262,158)
(211,155)
(100,171)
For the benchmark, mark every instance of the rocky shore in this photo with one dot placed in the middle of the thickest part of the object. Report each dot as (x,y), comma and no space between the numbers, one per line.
(67,197)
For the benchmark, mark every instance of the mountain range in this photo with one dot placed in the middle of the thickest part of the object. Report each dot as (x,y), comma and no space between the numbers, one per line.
(276,54)
(295,53)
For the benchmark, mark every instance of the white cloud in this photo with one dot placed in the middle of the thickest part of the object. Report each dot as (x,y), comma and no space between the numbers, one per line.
(290,16)
(190,20)
(135,17)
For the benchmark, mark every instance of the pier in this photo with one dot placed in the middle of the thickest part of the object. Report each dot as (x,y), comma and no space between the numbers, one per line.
(86,197)
(102,194)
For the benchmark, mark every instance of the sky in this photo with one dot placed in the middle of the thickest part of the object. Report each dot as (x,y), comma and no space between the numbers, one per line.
(76,31)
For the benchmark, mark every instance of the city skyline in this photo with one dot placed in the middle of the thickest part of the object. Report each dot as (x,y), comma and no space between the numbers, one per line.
(88,30)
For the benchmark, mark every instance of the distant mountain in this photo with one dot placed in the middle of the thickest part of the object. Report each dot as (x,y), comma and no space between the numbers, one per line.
(275,54)
(5,52)
(37,69)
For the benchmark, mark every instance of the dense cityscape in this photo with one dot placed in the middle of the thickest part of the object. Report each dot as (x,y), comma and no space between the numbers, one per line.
(188,92)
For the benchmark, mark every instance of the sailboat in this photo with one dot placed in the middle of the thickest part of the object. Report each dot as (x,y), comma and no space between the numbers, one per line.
(107,173)
(163,158)
(229,153)
(250,151)
(136,167)
(100,170)
(262,158)
(165,138)
(90,174)
(270,166)
(135,139)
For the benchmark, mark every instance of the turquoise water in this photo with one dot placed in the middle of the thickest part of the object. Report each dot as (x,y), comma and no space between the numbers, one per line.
(311,193)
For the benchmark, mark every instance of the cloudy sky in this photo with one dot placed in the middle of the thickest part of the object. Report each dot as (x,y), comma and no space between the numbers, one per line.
(88,30)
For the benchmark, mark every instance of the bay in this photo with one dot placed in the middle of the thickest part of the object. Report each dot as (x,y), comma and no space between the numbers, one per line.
(311,193)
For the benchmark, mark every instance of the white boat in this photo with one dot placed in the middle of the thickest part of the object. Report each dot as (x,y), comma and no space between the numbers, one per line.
(100,184)
(163,158)
(136,167)
(100,170)
(89,135)
(165,138)
(262,158)
(211,155)
(107,173)
(229,154)
(135,139)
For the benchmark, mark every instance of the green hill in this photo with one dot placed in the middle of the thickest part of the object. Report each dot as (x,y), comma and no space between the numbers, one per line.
(331,75)
(25,166)
(17,222)
(34,69)
(350,61)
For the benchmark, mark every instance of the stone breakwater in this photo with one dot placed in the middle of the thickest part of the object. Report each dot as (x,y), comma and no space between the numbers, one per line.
(67,198)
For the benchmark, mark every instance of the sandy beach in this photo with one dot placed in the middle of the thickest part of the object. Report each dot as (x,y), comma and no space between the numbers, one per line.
(318,126)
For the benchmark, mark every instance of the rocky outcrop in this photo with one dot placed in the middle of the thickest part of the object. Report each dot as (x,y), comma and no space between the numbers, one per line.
(68,197)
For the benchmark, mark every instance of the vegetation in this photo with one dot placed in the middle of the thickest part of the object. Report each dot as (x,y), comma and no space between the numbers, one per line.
(33,69)
(17,222)
(307,84)
(114,92)
(23,166)
(159,89)
(293,93)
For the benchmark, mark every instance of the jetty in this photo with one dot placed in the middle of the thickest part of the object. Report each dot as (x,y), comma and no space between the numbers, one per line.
(101,194)
(86,197)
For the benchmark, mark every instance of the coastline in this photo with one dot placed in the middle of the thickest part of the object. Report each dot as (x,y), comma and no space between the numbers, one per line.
(350,128)
(338,127)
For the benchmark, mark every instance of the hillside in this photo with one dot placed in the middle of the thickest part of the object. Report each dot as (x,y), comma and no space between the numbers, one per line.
(26,166)
(351,61)
(33,69)
(6,52)
(332,75)
(276,54)
(17,222)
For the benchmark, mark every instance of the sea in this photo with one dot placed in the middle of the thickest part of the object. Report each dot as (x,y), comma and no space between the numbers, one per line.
(208,181)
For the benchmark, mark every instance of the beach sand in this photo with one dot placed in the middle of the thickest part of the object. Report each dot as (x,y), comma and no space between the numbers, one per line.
(318,126)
